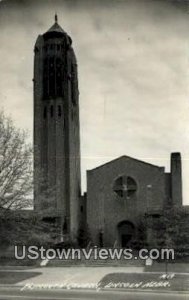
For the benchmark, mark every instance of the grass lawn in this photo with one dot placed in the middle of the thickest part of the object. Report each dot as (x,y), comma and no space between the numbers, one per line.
(11,277)
(179,267)
(145,281)
(16,262)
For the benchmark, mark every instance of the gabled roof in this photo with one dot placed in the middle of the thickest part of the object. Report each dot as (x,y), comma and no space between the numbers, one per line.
(125,157)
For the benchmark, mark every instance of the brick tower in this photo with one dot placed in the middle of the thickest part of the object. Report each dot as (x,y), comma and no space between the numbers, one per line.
(56,128)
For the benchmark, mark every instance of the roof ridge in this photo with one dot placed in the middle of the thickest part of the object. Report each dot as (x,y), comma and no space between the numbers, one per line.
(129,157)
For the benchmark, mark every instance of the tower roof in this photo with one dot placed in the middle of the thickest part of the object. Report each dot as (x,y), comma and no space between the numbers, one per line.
(56,27)
(57,31)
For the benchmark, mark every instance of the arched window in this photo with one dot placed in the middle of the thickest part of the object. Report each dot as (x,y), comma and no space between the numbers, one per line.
(51,77)
(45,78)
(52,111)
(59,111)
(74,86)
(45,112)
(59,77)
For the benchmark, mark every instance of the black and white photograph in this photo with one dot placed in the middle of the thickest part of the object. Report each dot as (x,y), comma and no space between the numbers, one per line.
(94,149)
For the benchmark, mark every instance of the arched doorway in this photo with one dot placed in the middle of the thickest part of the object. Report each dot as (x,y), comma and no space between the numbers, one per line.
(126,232)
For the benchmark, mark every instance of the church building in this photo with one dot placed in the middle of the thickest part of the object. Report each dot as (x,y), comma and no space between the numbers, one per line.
(120,192)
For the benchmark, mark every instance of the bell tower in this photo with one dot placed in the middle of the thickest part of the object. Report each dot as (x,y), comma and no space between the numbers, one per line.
(56,128)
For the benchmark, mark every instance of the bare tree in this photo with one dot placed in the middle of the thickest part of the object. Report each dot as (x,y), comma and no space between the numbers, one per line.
(15,166)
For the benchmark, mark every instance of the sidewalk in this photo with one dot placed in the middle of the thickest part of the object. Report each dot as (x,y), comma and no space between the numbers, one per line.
(77,275)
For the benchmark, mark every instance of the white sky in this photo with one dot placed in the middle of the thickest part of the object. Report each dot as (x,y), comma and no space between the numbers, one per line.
(133,59)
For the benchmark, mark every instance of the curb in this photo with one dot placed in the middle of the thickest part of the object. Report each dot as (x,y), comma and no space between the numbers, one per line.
(146,291)
(18,287)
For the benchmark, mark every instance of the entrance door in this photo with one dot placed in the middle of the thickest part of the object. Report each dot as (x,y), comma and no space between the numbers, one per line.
(125,238)
(126,231)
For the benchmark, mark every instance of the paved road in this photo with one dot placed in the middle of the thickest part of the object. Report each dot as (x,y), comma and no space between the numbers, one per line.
(6,294)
